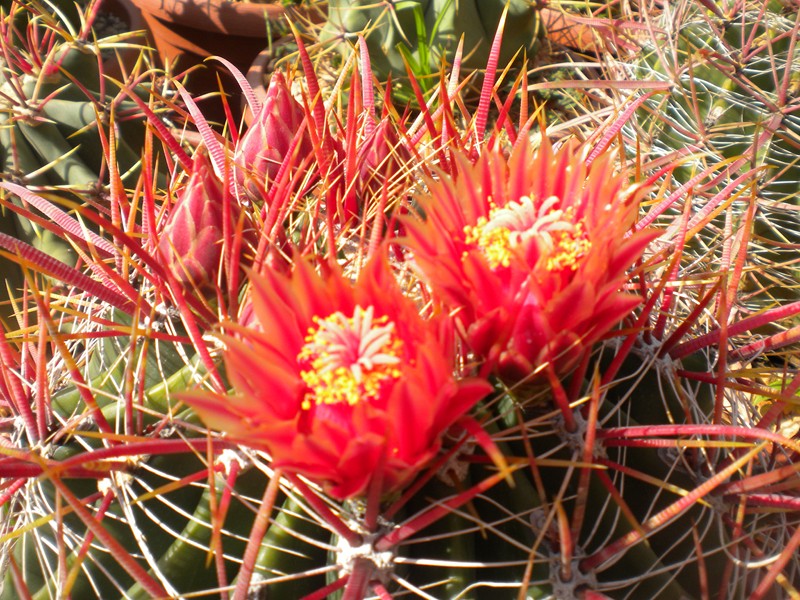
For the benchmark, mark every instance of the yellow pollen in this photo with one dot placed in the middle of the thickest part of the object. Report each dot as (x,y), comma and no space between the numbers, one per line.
(561,239)
(496,243)
(349,359)
(568,248)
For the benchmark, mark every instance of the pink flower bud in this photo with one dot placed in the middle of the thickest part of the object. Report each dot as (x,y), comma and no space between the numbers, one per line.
(382,158)
(191,240)
(266,144)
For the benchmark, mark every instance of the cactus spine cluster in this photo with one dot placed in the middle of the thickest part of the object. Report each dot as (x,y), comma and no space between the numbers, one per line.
(731,120)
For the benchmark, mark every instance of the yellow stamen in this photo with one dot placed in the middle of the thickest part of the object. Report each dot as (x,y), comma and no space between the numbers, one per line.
(349,359)
(569,248)
(494,242)
(562,240)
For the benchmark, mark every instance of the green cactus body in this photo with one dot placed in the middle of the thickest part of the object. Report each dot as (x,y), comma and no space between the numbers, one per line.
(727,92)
(285,551)
(99,569)
(175,525)
(185,562)
(734,102)
(50,109)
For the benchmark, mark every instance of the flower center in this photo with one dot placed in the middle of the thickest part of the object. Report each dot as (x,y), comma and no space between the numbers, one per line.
(349,359)
(495,242)
(509,229)
(568,247)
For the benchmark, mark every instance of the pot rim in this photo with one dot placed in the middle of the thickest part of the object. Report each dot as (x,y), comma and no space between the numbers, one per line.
(234,18)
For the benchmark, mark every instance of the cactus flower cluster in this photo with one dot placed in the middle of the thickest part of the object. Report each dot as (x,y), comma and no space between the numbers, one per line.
(345,382)
(366,349)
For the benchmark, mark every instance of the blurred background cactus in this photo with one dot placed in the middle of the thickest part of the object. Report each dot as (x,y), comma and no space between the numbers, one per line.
(424,34)
(642,446)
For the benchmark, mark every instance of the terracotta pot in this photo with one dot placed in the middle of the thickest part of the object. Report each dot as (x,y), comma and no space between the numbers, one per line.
(186,32)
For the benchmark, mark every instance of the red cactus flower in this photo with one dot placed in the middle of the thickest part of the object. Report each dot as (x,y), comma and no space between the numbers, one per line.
(191,240)
(530,253)
(267,143)
(340,382)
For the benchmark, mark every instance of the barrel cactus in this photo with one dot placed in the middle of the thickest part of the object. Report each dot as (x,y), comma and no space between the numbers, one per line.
(506,379)
(58,110)
(730,120)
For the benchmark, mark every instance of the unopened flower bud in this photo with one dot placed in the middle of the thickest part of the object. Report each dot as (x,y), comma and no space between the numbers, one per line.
(382,160)
(266,144)
(191,240)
